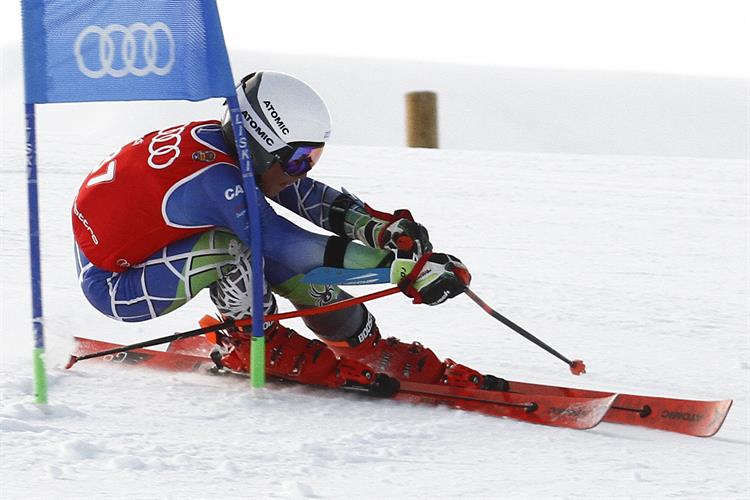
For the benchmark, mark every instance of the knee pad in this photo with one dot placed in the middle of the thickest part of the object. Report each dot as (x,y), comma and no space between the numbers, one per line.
(232,292)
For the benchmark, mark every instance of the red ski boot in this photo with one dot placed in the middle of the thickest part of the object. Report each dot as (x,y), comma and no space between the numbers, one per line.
(414,363)
(291,356)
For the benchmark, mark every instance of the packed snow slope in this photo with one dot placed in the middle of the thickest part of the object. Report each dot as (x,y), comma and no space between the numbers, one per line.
(638,265)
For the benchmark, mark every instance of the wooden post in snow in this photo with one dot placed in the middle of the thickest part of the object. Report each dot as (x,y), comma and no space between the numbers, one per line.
(421,120)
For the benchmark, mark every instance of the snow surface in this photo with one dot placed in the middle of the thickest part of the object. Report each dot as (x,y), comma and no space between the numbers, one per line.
(638,265)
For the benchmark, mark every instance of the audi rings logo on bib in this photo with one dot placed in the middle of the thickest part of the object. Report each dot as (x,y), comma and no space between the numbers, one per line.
(116,50)
(164,147)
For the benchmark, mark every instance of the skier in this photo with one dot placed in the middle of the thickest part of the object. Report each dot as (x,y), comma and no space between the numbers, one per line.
(165,217)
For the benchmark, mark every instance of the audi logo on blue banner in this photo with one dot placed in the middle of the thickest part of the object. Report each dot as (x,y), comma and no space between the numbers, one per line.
(116,50)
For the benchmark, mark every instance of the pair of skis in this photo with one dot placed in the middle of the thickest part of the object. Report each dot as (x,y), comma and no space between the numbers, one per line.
(535,403)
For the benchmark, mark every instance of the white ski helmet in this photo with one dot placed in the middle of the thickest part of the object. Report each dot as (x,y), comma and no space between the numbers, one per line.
(285,119)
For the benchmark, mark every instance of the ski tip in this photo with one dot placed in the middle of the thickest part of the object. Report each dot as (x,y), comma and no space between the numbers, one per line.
(577,367)
(73,359)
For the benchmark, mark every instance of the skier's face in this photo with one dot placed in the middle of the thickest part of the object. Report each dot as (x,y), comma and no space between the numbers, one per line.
(273,180)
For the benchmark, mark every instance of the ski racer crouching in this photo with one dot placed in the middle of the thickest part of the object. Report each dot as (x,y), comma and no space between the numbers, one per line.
(166,216)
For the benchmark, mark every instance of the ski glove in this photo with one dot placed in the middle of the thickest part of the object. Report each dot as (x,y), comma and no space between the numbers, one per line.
(350,218)
(433,279)
(400,233)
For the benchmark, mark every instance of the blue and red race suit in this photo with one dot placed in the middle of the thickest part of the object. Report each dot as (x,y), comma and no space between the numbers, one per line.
(154,223)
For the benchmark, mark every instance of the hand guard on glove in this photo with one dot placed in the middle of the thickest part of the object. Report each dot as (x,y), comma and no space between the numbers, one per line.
(405,235)
(433,279)
(401,233)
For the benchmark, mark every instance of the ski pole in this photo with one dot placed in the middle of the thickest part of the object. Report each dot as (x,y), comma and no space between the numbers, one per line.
(148,343)
(343,304)
(576,366)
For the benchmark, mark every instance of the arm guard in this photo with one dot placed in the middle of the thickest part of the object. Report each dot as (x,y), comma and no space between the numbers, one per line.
(350,218)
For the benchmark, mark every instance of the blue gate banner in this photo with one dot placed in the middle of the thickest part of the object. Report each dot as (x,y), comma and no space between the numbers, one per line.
(123,50)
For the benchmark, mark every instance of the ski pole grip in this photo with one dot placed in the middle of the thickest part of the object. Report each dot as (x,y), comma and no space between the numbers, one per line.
(405,243)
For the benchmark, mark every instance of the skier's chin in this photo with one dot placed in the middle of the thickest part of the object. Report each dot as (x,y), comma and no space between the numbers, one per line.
(272,191)
(273,181)
(269,189)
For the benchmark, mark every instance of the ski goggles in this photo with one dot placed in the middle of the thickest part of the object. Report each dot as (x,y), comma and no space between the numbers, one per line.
(300,158)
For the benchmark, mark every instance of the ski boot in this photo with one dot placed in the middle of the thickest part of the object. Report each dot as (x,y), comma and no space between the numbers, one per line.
(414,363)
(290,356)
